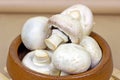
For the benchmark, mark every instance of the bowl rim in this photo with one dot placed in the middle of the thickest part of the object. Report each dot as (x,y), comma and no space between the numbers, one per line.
(103,44)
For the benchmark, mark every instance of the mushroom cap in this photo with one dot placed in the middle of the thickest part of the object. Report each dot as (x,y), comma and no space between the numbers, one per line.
(28,62)
(93,48)
(71,58)
(34,32)
(44,68)
(83,14)
(71,27)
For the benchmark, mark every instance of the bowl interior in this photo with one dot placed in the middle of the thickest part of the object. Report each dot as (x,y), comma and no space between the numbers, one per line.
(22,51)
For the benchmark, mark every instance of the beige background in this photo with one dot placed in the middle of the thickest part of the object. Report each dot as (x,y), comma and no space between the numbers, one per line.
(12,19)
(54,6)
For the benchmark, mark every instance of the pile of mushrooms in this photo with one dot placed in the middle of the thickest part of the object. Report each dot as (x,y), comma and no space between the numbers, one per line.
(61,45)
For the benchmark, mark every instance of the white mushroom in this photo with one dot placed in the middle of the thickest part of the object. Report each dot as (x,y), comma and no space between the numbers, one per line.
(40,61)
(93,48)
(67,27)
(83,14)
(34,32)
(71,58)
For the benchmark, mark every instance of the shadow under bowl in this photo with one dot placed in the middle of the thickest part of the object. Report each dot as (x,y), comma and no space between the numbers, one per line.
(18,71)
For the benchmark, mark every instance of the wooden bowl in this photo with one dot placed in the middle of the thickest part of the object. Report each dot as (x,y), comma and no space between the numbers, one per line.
(18,71)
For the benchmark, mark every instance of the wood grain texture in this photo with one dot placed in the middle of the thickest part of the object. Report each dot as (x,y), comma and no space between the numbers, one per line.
(17,71)
(3,77)
(116,74)
(112,78)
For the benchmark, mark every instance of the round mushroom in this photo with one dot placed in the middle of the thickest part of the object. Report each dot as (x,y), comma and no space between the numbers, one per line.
(83,14)
(71,58)
(67,29)
(40,61)
(93,48)
(34,32)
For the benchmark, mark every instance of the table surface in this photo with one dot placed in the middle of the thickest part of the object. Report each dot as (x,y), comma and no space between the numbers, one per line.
(105,25)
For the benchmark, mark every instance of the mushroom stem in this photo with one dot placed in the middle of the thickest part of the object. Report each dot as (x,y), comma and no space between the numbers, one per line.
(56,39)
(40,61)
(63,73)
(41,57)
